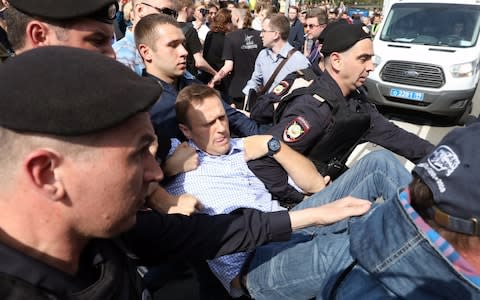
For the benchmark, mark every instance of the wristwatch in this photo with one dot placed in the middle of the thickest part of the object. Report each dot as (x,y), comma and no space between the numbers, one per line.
(273,146)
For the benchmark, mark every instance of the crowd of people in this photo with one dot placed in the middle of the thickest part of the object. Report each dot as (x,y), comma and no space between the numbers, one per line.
(143,137)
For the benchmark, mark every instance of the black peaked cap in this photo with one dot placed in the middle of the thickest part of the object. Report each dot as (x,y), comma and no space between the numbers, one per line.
(69,91)
(68,9)
(340,36)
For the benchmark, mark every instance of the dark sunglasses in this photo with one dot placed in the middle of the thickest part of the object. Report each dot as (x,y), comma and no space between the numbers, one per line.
(165,11)
(311,26)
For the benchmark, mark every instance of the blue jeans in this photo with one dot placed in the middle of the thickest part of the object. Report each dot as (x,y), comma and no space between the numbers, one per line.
(297,268)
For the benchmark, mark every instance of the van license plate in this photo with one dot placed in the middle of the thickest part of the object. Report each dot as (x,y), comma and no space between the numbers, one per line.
(410,95)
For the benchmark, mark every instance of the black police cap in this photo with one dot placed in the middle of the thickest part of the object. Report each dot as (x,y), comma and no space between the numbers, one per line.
(69,91)
(339,36)
(102,10)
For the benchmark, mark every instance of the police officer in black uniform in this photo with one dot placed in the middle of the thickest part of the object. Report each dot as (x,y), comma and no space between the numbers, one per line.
(324,115)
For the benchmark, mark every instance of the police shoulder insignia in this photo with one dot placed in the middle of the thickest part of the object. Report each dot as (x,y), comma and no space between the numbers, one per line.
(296,129)
(281,88)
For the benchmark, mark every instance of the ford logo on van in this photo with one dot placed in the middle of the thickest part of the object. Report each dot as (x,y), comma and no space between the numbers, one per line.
(411,74)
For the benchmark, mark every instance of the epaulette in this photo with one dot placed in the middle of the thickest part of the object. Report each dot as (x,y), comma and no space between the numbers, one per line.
(300,73)
(309,74)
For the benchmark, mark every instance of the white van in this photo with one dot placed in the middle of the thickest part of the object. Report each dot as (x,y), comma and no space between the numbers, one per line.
(427,57)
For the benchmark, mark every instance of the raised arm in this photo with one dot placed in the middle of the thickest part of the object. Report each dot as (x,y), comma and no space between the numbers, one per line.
(300,169)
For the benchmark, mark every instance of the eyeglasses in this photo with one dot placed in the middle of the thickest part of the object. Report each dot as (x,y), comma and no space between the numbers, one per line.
(263,31)
(311,26)
(165,10)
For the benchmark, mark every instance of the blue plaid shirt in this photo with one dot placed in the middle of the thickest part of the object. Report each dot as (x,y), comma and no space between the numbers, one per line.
(224,183)
(127,53)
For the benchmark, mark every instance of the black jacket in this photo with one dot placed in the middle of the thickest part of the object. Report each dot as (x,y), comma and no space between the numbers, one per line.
(108,266)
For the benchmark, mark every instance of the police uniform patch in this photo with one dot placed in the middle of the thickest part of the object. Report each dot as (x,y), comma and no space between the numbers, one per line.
(280,88)
(296,129)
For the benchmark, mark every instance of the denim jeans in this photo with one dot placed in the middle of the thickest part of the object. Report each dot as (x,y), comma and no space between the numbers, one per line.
(296,269)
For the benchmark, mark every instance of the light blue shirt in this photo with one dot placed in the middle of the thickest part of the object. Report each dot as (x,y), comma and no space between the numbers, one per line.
(267,62)
(222,184)
(127,53)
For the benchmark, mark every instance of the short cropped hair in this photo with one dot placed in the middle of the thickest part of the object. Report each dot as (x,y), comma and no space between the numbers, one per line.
(320,14)
(190,94)
(17,26)
(17,22)
(15,145)
(245,15)
(146,29)
(280,23)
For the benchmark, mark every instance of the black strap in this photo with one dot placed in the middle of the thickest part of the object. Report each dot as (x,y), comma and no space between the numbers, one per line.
(253,95)
(267,85)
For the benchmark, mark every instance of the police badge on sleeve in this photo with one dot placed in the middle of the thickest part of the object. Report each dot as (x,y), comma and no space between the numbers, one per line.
(296,129)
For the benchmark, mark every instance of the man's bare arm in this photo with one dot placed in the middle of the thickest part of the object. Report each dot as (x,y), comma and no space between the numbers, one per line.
(300,169)
(329,213)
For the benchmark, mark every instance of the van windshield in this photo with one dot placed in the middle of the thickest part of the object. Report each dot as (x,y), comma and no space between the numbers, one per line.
(446,25)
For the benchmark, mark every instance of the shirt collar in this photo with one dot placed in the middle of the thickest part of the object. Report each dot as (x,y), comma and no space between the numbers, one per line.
(283,52)
(236,145)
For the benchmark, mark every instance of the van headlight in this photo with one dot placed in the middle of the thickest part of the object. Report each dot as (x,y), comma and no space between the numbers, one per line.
(464,70)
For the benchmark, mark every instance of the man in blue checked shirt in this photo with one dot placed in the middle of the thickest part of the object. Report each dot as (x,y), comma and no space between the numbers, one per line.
(223,182)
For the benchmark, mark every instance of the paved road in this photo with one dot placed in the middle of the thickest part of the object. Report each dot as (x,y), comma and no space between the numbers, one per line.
(426,126)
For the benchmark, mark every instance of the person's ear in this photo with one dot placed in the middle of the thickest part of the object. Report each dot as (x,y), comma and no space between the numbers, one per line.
(37,33)
(138,12)
(277,35)
(145,52)
(185,130)
(42,167)
(336,61)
